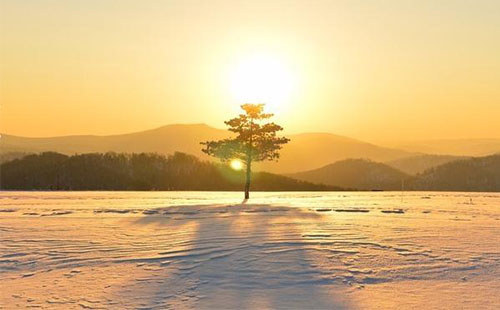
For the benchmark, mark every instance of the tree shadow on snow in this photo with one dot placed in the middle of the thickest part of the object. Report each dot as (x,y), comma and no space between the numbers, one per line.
(240,257)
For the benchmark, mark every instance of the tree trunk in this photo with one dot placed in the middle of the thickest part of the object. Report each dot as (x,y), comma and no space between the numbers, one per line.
(249,161)
(247,183)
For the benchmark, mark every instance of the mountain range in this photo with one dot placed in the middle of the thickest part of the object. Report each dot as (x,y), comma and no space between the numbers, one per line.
(413,165)
(465,174)
(323,158)
(456,147)
(358,174)
(472,174)
(304,151)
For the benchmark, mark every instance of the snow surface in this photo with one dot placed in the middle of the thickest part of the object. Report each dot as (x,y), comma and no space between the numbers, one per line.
(206,250)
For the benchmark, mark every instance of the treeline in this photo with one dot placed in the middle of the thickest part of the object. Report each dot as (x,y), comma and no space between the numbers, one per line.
(481,174)
(145,171)
(8,156)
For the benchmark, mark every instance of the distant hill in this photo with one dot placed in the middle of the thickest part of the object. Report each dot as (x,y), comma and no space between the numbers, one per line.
(111,171)
(466,174)
(474,174)
(355,173)
(314,150)
(457,147)
(163,140)
(419,163)
(304,152)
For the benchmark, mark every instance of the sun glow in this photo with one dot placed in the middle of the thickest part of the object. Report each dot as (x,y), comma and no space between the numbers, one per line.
(263,79)
(236,164)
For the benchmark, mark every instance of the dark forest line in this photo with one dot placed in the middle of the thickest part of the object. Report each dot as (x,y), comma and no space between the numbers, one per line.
(150,171)
(143,171)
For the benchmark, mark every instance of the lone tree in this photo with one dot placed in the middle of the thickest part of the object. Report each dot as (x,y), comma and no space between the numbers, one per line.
(255,140)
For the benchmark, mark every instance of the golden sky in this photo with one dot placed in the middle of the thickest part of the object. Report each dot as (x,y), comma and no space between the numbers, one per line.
(374,70)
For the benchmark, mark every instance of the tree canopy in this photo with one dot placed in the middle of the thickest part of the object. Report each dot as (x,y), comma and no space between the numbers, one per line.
(255,140)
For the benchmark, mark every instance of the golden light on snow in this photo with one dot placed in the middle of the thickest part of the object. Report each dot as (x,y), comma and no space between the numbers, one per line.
(305,236)
(236,164)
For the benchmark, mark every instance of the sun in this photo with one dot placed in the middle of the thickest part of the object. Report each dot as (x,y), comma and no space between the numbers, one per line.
(262,79)
(236,164)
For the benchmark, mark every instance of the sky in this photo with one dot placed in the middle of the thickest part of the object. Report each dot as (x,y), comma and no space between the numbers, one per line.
(372,70)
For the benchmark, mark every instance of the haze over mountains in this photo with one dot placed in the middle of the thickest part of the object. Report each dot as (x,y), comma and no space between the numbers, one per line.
(164,140)
(313,150)
(306,151)
(457,147)
(419,163)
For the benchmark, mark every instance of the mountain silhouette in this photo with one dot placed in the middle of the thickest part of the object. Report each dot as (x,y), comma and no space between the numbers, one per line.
(473,174)
(457,147)
(480,174)
(304,152)
(355,173)
(163,140)
(419,163)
